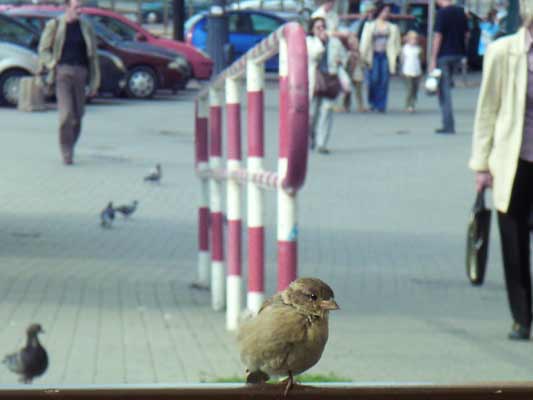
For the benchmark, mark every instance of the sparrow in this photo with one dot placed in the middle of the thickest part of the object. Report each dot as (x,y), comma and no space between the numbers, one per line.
(107,215)
(127,210)
(289,333)
(154,175)
(32,360)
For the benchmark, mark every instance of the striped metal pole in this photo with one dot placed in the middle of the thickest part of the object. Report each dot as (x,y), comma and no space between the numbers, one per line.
(202,165)
(234,278)
(287,232)
(256,230)
(215,200)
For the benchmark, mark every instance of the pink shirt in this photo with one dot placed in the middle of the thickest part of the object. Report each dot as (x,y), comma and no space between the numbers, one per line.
(526,152)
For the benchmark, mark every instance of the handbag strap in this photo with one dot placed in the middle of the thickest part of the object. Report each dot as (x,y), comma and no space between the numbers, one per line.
(480,200)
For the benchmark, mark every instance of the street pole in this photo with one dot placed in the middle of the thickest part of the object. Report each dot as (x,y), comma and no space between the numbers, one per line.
(217,35)
(513,16)
(178,19)
(431,23)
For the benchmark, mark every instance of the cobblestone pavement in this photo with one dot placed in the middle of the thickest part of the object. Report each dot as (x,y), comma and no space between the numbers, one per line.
(382,219)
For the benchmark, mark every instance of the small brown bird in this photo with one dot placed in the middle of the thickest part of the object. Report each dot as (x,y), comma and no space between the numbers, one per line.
(30,361)
(288,335)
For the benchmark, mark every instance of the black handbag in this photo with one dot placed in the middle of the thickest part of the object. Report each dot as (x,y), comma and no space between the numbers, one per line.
(477,242)
(327,85)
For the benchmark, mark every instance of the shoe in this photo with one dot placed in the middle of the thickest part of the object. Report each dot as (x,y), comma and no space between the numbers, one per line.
(443,131)
(519,332)
(323,150)
(410,110)
(67,156)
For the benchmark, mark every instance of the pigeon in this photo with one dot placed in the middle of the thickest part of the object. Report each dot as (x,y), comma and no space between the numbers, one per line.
(127,210)
(107,215)
(154,175)
(289,334)
(32,360)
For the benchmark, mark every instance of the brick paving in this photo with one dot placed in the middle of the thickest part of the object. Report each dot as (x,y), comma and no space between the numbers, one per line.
(382,219)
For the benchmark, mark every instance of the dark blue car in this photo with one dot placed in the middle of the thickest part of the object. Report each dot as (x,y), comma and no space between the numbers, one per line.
(246,29)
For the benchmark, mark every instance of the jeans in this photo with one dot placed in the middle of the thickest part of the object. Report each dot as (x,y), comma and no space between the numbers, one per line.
(447,64)
(378,82)
(321,120)
(411,83)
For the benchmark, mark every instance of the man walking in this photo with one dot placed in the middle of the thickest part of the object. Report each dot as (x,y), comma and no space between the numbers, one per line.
(67,49)
(449,48)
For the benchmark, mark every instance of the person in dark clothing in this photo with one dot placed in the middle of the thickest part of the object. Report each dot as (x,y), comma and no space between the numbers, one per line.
(449,48)
(67,49)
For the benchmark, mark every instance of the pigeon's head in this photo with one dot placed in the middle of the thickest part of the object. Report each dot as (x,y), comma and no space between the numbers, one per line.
(135,203)
(311,296)
(110,204)
(34,329)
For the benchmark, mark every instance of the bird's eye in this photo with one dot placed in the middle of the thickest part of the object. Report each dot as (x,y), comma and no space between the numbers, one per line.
(313,297)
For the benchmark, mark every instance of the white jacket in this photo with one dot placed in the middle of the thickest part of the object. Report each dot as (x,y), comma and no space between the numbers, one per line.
(315,51)
(394,45)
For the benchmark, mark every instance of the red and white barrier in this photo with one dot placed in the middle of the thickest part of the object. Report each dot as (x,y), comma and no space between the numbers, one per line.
(290,176)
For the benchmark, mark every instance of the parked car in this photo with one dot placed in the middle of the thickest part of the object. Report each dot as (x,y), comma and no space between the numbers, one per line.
(113,71)
(18,58)
(149,68)
(246,29)
(303,7)
(200,63)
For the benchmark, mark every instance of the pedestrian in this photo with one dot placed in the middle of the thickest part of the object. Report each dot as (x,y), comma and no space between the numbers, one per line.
(357,76)
(367,9)
(488,30)
(324,58)
(449,48)
(67,50)
(411,59)
(380,48)
(502,157)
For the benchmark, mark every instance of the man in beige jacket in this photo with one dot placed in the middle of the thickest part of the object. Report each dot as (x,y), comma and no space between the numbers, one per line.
(502,156)
(67,50)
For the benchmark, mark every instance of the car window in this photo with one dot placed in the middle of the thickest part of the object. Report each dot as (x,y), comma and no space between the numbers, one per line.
(123,30)
(14,33)
(263,24)
(239,23)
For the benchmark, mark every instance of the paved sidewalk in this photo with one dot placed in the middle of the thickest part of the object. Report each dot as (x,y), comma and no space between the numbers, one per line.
(382,219)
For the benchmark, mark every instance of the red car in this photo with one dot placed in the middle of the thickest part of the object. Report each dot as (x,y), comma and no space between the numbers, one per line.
(201,64)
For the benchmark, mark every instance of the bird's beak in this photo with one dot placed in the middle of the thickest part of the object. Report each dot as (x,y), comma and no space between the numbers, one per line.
(329,305)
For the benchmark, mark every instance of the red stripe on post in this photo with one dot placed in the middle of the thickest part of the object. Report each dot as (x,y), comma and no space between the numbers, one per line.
(201,139)
(203,231)
(234,247)
(215,129)
(287,263)
(256,259)
(256,146)
(283,117)
(234,131)
(217,253)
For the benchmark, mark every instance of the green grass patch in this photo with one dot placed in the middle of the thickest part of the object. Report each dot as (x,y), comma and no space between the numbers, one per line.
(305,378)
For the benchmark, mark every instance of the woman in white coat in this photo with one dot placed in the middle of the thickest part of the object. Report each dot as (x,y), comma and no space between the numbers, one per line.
(323,54)
(502,157)
(380,48)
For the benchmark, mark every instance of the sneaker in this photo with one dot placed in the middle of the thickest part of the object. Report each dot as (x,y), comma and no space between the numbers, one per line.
(443,131)
(323,150)
(519,332)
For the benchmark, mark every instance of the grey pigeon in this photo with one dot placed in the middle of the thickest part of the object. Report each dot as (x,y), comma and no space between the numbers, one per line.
(32,360)
(107,215)
(126,210)
(154,175)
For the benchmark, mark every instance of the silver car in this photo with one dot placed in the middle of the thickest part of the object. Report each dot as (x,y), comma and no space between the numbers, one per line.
(17,58)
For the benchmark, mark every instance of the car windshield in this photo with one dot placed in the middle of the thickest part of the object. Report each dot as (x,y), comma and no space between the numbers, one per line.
(13,32)
(124,31)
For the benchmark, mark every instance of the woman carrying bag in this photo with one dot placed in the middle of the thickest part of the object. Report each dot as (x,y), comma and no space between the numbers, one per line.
(502,157)
(380,48)
(324,85)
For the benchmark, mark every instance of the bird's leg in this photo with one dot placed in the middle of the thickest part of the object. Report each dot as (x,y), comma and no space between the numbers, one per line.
(290,384)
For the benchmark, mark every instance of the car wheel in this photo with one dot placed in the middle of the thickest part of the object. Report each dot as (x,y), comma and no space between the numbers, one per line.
(141,83)
(9,87)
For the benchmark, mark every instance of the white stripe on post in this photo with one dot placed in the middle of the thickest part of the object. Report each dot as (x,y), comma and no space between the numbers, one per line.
(234,248)
(203,254)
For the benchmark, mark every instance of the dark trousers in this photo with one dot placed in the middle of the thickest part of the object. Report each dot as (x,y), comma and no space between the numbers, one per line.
(411,82)
(378,82)
(514,234)
(447,64)
(70,93)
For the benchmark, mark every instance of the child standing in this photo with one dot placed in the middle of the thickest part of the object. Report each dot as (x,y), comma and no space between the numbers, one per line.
(355,71)
(411,57)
